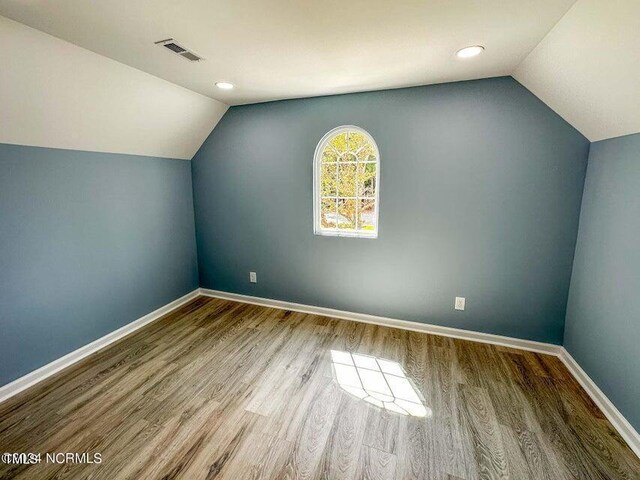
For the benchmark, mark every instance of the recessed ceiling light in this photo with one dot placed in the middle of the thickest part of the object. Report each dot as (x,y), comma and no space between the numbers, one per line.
(469,52)
(224,85)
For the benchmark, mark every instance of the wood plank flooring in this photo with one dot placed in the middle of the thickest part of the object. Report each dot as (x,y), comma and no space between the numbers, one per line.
(220,389)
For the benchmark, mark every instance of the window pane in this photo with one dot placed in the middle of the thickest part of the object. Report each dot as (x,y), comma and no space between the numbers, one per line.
(360,146)
(366,215)
(347,180)
(328,180)
(328,213)
(329,155)
(347,157)
(366,154)
(339,143)
(357,141)
(367,180)
(346,214)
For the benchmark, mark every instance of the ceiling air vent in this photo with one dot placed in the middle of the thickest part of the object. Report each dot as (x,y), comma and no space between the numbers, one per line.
(191,56)
(173,46)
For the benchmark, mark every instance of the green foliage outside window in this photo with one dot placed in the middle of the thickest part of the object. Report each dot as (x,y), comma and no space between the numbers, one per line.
(348,173)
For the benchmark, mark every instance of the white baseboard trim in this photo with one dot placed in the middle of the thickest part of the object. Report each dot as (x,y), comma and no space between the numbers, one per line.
(26,381)
(530,345)
(616,418)
(620,423)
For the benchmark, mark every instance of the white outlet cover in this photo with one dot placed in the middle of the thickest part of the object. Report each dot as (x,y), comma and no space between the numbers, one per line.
(460,302)
(253,278)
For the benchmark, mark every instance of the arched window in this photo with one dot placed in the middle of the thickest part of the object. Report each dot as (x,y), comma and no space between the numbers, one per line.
(346,183)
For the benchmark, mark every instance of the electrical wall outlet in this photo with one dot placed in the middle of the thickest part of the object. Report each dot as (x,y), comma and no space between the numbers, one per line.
(253,278)
(459,305)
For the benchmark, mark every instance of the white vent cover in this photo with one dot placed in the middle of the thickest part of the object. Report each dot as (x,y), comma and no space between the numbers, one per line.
(173,46)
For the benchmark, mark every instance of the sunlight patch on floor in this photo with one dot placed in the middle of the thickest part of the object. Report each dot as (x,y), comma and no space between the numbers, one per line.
(382,383)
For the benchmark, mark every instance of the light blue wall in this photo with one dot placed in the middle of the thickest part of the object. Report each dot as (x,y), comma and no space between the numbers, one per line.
(603,314)
(88,243)
(481,190)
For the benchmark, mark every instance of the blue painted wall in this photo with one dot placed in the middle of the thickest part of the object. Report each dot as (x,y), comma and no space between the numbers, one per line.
(481,190)
(88,243)
(603,314)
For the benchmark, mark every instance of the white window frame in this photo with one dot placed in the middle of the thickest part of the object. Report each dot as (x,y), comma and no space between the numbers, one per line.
(317,187)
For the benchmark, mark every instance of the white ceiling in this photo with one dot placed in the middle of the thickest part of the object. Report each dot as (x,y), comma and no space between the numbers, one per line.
(588,68)
(55,94)
(274,49)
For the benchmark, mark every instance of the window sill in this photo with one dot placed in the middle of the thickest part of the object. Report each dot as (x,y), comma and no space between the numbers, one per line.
(347,234)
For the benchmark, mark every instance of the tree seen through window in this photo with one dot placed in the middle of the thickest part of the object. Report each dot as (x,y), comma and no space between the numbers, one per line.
(347,165)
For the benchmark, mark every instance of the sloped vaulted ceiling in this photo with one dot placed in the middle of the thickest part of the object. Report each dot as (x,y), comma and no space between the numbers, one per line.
(56,94)
(588,68)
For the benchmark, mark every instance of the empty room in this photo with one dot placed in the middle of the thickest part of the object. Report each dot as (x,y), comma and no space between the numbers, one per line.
(269,239)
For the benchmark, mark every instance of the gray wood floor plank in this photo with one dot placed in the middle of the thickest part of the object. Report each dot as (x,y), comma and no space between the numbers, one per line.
(219,389)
